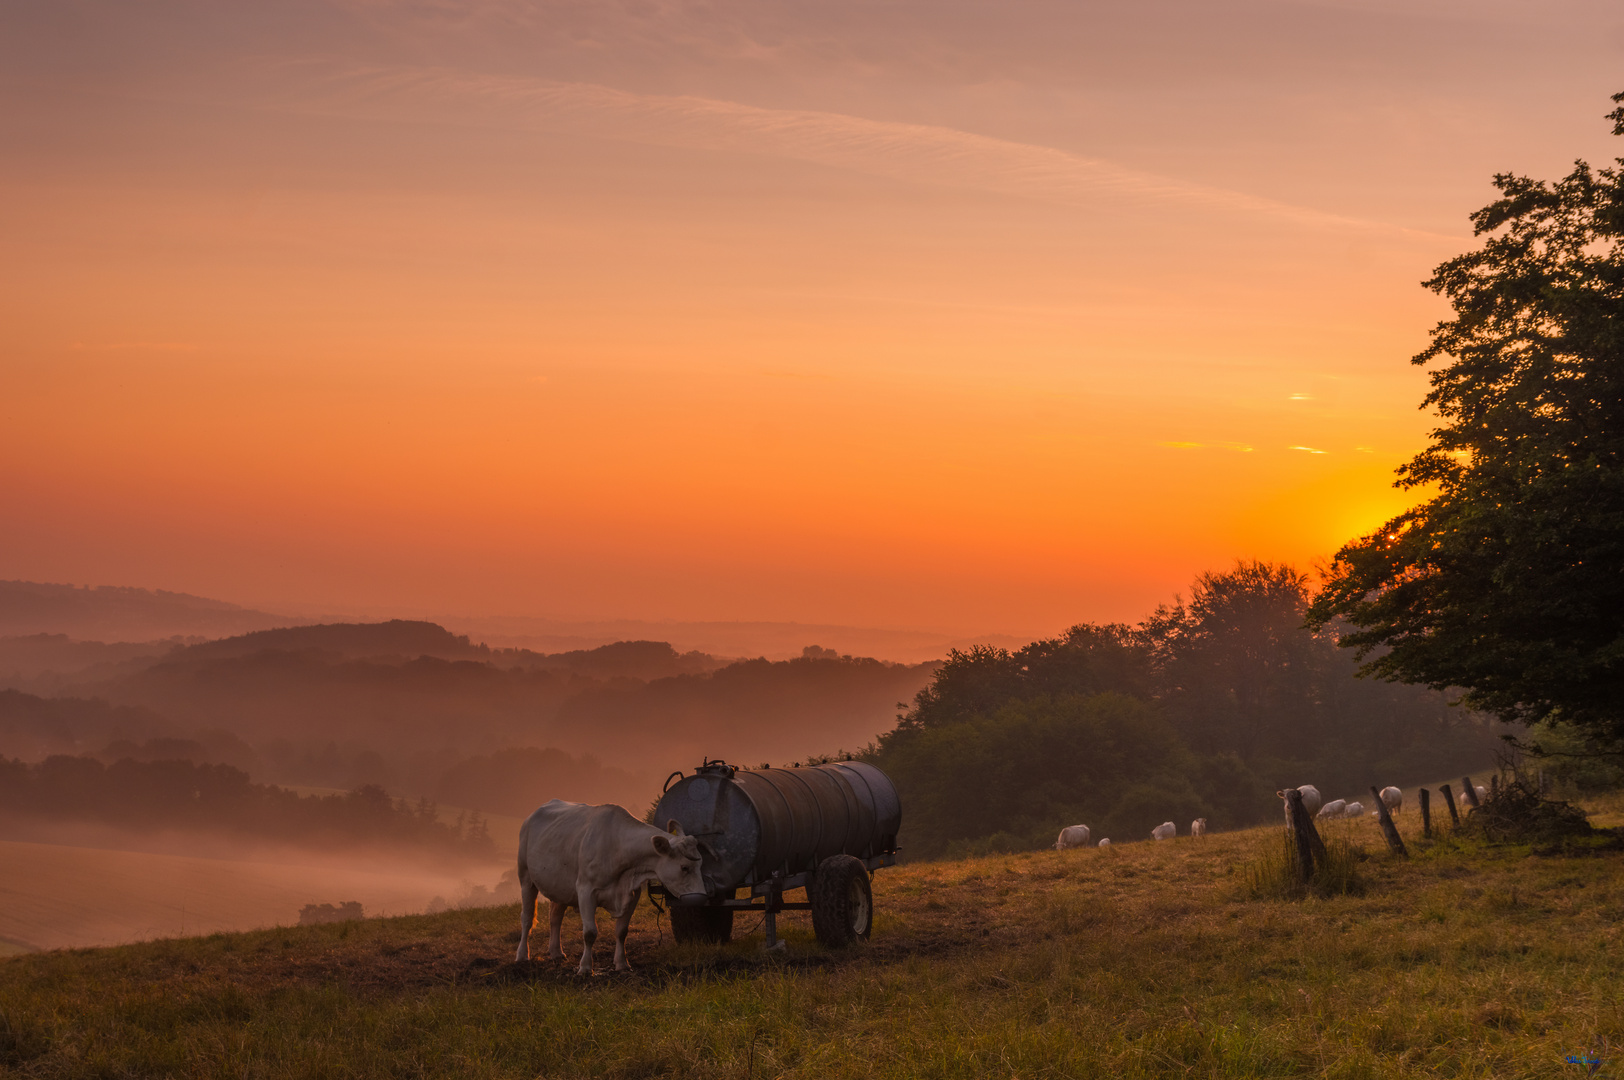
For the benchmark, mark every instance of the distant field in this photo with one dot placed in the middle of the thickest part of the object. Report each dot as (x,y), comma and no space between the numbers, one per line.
(55,896)
(1144,960)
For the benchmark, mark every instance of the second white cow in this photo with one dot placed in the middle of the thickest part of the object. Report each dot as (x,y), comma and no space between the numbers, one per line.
(1165,831)
(1198,827)
(592,857)
(1071,836)
(1392,798)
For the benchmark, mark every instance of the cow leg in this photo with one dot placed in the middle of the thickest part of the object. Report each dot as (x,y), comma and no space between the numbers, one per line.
(623,923)
(527,916)
(555,929)
(589,929)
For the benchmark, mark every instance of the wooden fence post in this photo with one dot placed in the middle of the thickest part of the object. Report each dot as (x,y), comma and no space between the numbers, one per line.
(1296,814)
(1315,844)
(1449,801)
(1470,794)
(1426,814)
(1394,840)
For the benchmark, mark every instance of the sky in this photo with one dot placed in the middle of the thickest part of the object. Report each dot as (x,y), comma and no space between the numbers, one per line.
(981,317)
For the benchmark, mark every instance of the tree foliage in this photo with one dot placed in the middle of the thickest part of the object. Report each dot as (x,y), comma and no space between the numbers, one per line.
(1204,709)
(1509,581)
(1087,659)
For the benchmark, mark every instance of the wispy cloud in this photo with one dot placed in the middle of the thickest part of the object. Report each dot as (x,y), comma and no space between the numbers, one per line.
(920,153)
(1239,448)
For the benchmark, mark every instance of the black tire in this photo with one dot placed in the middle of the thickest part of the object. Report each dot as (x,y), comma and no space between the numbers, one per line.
(842,902)
(705,925)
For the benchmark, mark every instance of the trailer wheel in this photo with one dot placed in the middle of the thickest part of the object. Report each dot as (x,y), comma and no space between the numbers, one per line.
(706,925)
(842,902)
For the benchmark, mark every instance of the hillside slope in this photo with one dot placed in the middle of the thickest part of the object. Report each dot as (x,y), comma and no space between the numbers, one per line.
(122,613)
(1140,960)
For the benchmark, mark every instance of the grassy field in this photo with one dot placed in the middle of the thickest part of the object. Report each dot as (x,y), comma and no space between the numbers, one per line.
(1141,960)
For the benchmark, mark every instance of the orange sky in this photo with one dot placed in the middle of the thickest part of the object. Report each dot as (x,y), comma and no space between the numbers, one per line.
(971,316)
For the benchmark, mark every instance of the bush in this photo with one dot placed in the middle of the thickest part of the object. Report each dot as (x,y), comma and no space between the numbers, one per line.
(1273,875)
(1515,812)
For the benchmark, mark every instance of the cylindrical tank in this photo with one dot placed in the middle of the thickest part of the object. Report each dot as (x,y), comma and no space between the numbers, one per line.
(756,822)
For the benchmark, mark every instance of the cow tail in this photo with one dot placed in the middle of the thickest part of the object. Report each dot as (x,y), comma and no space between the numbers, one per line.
(523,869)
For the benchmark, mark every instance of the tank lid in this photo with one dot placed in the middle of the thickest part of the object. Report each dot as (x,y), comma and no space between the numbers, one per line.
(717,767)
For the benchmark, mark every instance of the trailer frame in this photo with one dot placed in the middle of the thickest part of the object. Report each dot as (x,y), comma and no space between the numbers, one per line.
(770,893)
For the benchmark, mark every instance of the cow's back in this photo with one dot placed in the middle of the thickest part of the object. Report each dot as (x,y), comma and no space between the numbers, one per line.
(550,847)
(564,846)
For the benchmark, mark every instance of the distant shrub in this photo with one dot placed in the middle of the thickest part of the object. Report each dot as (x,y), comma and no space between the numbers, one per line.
(319,914)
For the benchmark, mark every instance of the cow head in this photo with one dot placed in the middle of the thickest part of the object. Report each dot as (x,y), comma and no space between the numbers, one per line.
(678,865)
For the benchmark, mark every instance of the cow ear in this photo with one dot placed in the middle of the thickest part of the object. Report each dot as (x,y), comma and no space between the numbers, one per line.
(674,827)
(662,845)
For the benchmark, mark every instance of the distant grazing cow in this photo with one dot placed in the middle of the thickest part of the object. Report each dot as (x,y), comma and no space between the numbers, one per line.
(1198,827)
(1165,831)
(1311,798)
(1106,842)
(1333,808)
(1354,809)
(1393,798)
(1071,836)
(1482,792)
(589,857)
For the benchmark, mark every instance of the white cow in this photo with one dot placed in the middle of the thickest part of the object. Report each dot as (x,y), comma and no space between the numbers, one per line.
(1071,836)
(1332,809)
(589,857)
(1198,827)
(1393,798)
(1311,798)
(1482,792)
(1165,831)
(1106,842)
(1354,809)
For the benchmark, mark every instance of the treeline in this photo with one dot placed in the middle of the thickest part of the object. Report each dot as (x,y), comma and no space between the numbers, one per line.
(1203,710)
(183,795)
(348,705)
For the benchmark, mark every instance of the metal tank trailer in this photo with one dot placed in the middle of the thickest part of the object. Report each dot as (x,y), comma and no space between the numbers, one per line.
(824,828)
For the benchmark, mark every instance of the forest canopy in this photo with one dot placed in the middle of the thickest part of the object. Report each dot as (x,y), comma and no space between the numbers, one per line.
(182,795)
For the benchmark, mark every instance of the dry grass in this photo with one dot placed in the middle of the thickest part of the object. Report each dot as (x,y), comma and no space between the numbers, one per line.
(1140,960)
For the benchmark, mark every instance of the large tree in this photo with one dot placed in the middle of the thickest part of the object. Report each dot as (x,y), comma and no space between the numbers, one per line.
(1509,581)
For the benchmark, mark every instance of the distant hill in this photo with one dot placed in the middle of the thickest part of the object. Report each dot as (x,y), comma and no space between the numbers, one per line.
(397,637)
(324,717)
(29,657)
(407,639)
(119,613)
(770,640)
